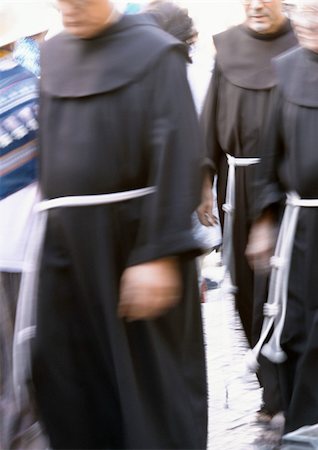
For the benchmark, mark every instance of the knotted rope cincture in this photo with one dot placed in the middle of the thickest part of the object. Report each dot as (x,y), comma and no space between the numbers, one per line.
(275,308)
(229,210)
(25,328)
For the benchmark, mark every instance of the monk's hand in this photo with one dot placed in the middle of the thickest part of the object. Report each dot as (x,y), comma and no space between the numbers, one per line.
(205,208)
(261,244)
(150,289)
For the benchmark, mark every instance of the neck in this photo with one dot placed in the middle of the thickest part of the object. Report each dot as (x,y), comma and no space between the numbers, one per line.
(280,23)
(113,16)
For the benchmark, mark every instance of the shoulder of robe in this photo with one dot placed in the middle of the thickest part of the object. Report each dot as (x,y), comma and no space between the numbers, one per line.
(245,60)
(74,67)
(297,72)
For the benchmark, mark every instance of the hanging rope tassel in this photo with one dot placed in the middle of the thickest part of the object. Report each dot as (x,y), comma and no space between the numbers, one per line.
(228,286)
(276,306)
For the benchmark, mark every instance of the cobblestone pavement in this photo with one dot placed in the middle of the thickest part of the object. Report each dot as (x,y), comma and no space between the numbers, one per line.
(234,394)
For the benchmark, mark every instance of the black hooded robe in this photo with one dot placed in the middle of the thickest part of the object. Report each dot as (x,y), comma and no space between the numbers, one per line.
(290,163)
(117,114)
(233,116)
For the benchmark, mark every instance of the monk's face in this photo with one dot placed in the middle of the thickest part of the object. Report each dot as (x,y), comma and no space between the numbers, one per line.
(264,16)
(85,18)
(305,22)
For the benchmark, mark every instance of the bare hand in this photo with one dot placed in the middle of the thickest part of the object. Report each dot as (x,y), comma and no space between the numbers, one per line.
(149,290)
(261,244)
(205,208)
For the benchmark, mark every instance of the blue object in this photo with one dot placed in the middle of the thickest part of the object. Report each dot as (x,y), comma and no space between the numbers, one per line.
(133,8)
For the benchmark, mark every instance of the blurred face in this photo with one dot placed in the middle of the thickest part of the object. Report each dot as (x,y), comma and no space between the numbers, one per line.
(305,22)
(85,18)
(264,16)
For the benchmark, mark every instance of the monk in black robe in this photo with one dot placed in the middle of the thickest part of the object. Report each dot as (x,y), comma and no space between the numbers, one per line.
(119,359)
(290,164)
(235,108)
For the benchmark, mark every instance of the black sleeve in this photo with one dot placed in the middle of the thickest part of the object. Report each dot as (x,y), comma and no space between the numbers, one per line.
(208,122)
(176,147)
(269,193)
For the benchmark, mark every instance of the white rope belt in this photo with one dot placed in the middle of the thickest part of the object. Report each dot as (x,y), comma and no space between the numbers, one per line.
(92,200)
(229,209)
(275,308)
(25,327)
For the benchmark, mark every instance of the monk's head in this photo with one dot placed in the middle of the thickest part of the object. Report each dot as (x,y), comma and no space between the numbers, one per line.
(87,18)
(264,16)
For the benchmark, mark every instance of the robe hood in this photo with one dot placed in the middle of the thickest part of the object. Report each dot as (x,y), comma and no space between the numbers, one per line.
(297,72)
(245,56)
(74,67)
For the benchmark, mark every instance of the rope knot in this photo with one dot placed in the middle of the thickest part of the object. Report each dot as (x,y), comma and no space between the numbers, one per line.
(228,208)
(271,309)
(277,262)
(26,334)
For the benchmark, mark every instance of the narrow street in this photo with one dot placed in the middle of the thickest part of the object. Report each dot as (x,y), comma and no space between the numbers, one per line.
(234,394)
